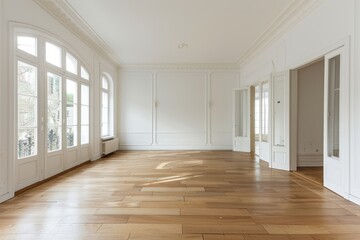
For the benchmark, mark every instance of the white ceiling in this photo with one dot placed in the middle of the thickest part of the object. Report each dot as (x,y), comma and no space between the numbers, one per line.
(149,31)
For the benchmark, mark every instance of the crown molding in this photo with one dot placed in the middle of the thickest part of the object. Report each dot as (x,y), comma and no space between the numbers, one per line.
(286,20)
(68,17)
(189,66)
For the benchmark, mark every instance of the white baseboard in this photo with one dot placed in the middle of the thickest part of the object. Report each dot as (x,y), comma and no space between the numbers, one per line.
(95,157)
(6,197)
(310,160)
(149,148)
(354,199)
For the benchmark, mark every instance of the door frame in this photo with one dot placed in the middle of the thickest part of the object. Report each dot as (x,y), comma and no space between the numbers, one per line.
(345,44)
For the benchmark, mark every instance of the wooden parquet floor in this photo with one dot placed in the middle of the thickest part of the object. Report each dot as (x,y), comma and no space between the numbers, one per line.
(171,195)
(315,174)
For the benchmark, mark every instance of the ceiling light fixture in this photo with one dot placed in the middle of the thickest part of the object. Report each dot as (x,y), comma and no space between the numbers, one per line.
(183,45)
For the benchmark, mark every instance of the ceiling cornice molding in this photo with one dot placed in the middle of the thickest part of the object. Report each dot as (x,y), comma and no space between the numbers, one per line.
(67,16)
(288,19)
(212,66)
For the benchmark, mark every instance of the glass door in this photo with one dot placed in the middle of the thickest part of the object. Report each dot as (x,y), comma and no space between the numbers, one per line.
(242,120)
(28,131)
(54,125)
(336,121)
(53,109)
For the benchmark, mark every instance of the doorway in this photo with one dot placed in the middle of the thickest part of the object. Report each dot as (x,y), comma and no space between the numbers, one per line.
(310,121)
(260,112)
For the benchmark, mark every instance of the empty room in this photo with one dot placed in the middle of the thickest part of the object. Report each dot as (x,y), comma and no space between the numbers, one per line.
(180,119)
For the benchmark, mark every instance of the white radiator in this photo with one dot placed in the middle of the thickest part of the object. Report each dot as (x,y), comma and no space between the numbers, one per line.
(110,145)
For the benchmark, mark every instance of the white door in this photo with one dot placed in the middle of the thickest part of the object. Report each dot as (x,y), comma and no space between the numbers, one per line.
(241,132)
(336,121)
(30,125)
(54,124)
(280,119)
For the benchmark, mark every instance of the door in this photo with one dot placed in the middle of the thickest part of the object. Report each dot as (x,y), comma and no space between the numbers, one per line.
(336,121)
(256,112)
(241,135)
(54,124)
(280,119)
(30,126)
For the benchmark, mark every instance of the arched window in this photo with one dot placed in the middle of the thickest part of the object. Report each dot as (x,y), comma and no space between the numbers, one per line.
(107,127)
(66,100)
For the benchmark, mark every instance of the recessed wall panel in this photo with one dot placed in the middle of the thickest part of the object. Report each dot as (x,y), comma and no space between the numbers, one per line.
(135,103)
(181,108)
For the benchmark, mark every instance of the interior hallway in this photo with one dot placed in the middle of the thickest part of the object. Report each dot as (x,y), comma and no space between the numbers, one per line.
(179,195)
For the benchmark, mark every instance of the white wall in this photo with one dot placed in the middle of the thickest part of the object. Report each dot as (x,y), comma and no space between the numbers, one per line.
(176,109)
(28,14)
(310,115)
(318,33)
(354,124)
(4,164)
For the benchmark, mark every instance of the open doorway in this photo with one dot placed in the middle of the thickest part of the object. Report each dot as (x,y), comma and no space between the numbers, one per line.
(309,87)
(260,97)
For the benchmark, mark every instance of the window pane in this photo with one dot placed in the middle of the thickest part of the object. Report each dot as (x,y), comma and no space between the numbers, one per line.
(241,113)
(54,86)
(71,114)
(71,136)
(104,129)
(104,115)
(71,64)
(53,54)
(71,91)
(71,105)
(84,115)
(105,83)
(84,134)
(27,142)
(334,107)
(27,111)
(257,113)
(265,112)
(54,113)
(27,79)
(84,73)
(105,100)
(54,139)
(27,44)
(85,95)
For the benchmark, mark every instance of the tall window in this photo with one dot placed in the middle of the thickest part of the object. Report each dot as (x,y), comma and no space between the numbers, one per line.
(106,107)
(66,99)
(85,106)
(27,109)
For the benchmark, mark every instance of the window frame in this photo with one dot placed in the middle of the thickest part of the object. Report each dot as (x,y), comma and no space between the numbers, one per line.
(110,108)
(43,68)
